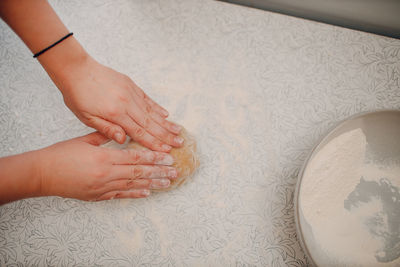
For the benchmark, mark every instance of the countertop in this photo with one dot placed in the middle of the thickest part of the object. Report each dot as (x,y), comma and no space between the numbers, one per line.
(256,89)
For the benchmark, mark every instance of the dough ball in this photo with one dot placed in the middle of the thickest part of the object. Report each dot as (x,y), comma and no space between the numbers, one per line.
(186,161)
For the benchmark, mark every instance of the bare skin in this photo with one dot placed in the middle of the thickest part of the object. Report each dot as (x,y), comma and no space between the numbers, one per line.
(79,168)
(100,97)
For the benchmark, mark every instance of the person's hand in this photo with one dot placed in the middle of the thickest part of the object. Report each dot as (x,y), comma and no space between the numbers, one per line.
(79,168)
(114,105)
(99,96)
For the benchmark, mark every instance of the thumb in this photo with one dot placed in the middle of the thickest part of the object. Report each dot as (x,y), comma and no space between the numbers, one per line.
(111,130)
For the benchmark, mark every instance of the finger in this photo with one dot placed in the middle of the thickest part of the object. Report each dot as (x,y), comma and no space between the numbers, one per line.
(160,183)
(139,157)
(128,184)
(156,107)
(142,171)
(157,131)
(153,128)
(135,193)
(155,115)
(142,136)
(170,126)
(111,130)
(95,139)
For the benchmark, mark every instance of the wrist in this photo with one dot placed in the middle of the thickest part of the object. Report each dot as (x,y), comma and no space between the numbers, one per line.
(62,59)
(32,181)
(43,173)
(38,167)
(20,177)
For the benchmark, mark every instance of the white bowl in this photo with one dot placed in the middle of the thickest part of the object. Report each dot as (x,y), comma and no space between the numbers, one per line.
(382,134)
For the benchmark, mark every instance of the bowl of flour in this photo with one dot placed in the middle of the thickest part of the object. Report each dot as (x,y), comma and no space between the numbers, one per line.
(348,194)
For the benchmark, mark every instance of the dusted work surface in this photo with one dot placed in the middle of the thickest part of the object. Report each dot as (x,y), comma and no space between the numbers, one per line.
(256,89)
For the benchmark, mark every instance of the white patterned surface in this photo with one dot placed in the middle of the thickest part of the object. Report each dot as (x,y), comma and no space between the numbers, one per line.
(257,90)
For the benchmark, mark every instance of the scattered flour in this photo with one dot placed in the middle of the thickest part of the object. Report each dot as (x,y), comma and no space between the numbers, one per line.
(340,236)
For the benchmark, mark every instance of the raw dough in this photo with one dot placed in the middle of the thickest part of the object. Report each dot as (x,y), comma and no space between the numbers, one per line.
(186,161)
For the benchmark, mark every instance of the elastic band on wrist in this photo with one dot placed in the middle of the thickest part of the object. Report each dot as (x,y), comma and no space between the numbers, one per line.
(53,45)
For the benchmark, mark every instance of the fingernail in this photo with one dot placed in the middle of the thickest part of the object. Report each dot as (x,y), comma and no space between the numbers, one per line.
(178,140)
(172,173)
(163,183)
(166,160)
(176,128)
(118,137)
(164,112)
(145,192)
(166,147)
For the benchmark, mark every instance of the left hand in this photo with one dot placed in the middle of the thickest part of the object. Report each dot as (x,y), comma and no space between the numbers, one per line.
(99,96)
(113,104)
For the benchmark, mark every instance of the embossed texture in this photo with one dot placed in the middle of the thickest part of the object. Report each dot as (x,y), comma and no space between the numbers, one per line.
(256,89)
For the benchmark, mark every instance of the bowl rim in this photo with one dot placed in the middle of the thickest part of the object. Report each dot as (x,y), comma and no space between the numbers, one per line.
(300,176)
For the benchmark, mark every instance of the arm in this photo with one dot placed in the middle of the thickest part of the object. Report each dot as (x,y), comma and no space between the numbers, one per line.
(99,96)
(36,23)
(79,168)
(19,177)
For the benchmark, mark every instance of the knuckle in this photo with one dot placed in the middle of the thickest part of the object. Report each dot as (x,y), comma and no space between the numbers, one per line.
(108,130)
(135,156)
(102,196)
(93,186)
(98,174)
(149,109)
(123,98)
(159,157)
(112,111)
(147,183)
(166,172)
(170,138)
(171,172)
(129,184)
(158,145)
(142,183)
(156,171)
(90,119)
(140,92)
(138,131)
(172,125)
(166,124)
(146,122)
(136,172)
(151,156)
(96,184)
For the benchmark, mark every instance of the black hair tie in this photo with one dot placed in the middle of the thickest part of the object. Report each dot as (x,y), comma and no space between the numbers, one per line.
(53,45)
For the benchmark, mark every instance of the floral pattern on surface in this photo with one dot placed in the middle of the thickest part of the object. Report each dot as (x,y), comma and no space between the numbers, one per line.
(257,89)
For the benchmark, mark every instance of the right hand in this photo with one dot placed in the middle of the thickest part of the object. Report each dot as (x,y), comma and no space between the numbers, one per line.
(79,168)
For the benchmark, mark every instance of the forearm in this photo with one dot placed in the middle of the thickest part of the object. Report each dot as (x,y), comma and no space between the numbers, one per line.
(36,23)
(20,177)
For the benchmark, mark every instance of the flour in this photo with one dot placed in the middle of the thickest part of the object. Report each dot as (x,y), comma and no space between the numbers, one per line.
(344,230)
